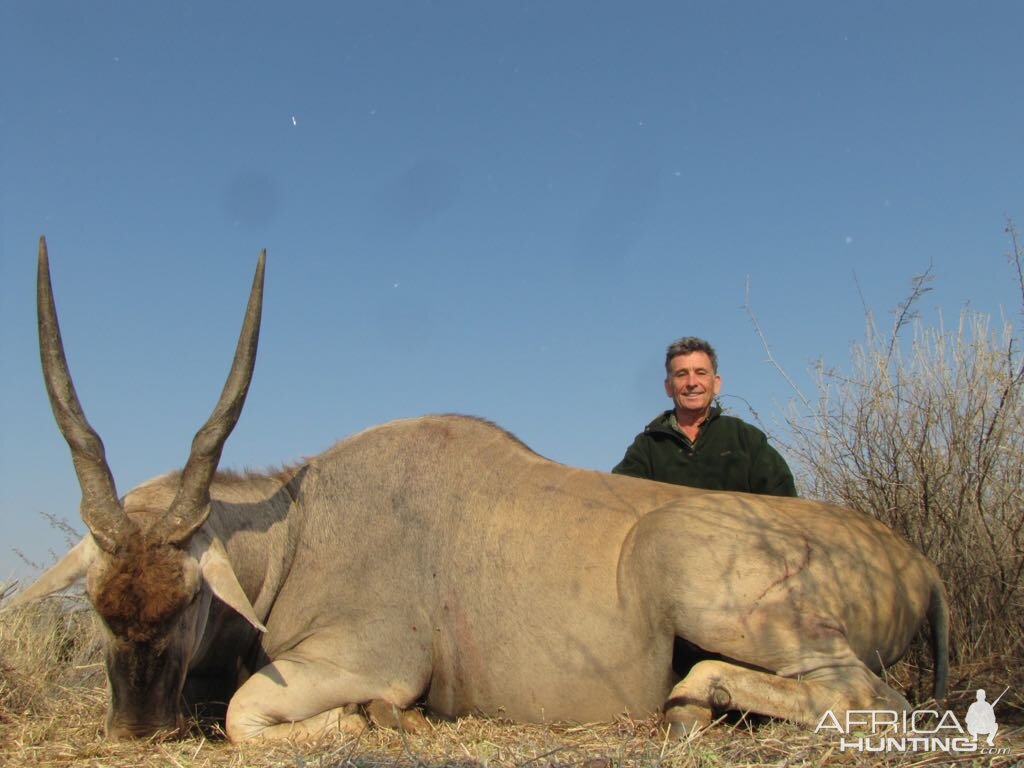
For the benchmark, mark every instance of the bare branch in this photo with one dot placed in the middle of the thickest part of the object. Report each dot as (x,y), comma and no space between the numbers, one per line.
(906,310)
(768,350)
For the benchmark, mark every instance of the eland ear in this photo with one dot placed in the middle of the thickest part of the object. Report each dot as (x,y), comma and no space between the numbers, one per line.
(66,572)
(220,576)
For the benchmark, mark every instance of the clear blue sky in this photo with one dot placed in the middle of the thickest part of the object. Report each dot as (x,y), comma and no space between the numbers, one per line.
(506,209)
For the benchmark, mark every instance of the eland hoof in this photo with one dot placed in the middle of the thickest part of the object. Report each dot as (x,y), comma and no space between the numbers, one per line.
(686,719)
(386,715)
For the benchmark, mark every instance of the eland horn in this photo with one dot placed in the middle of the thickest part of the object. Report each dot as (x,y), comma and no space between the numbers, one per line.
(101,511)
(191,505)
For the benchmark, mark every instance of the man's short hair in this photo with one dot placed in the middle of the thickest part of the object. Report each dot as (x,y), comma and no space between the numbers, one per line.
(687,345)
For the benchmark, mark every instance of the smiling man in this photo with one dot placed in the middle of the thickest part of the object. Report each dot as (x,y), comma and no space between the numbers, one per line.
(694,443)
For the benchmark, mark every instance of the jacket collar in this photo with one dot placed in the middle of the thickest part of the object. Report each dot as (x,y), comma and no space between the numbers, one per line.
(663,421)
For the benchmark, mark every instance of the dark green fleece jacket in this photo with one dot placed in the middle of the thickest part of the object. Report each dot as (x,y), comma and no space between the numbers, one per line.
(728,455)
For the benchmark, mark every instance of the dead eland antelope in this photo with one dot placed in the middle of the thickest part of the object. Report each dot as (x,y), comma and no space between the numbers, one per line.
(440,561)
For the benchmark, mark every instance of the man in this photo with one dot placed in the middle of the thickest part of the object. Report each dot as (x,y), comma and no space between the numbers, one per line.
(694,443)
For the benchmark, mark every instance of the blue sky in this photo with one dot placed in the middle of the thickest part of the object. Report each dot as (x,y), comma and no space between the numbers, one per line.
(503,209)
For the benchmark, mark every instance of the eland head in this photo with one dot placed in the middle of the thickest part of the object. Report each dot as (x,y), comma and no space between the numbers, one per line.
(150,574)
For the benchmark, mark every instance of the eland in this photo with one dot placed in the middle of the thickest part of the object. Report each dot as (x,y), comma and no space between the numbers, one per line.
(439,562)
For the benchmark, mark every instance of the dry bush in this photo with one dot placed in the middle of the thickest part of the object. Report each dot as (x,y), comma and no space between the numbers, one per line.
(925,430)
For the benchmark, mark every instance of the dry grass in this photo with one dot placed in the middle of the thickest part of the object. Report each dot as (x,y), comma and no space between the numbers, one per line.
(53,698)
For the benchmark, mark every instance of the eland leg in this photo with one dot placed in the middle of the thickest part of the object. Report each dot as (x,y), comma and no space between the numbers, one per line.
(302,699)
(717,686)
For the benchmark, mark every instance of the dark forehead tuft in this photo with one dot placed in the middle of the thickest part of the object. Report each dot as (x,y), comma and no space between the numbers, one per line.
(142,591)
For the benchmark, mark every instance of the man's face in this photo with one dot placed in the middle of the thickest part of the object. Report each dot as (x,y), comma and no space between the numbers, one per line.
(691,383)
